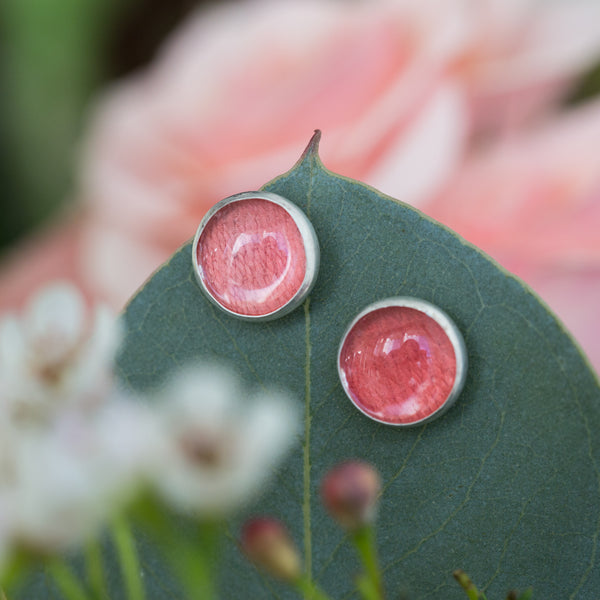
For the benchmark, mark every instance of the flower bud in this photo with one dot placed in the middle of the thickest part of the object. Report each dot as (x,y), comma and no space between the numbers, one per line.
(267,543)
(350,491)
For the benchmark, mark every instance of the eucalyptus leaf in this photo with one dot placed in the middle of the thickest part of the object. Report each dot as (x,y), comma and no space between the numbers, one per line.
(505,485)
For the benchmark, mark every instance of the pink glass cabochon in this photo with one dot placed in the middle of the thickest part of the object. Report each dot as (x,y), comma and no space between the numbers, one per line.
(401,365)
(251,256)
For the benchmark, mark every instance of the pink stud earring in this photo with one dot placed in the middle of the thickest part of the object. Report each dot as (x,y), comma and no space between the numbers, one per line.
(402,361)
(256,256)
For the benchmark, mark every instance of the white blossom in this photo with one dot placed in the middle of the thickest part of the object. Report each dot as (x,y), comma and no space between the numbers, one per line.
(219,442)
(74,448)
(54,493)
(61,484)
(56,354)
(61,422)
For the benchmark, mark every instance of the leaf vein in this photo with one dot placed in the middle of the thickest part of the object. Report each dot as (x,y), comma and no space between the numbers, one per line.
(460,507)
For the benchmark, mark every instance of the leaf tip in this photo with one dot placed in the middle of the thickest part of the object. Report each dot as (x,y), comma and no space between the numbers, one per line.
(312,150)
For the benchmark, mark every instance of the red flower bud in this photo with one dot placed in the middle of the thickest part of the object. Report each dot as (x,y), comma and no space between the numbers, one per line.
(350,491)
(267,543)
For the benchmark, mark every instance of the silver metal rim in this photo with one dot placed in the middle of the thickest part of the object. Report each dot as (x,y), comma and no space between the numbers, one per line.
(450,329)
(311,249)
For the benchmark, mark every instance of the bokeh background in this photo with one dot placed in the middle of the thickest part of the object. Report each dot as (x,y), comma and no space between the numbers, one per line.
(55,56)
(123,121)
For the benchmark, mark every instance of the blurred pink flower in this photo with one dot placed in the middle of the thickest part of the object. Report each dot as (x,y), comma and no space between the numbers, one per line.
(523,57)
(401,89)
(50,254)
(533,203)
(233,99)
(235,94)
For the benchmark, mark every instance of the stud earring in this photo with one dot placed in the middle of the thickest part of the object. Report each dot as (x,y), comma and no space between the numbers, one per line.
(256,255)
(402,361)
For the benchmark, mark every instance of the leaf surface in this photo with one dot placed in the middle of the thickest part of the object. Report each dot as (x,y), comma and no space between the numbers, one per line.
(505,485)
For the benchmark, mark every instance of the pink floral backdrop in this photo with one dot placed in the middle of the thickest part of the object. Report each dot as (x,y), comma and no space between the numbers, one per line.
(454,106)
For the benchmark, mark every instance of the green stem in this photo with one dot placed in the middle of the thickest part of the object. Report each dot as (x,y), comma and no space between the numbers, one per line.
(364,540)
(2,594)
(128,558)
(66,581)
(16,569)
(467,585)
(95,569)
(310,590)
(190,547)
(193,566)
(365,588)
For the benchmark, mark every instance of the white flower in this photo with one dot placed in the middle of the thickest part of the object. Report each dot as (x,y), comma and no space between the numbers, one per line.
(219,442)
(72,448)
(8,440)
(53,497)
(125,432)
(56,354)
(61,484)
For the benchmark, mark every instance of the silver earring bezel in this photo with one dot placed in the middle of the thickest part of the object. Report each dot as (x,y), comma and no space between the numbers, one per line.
(450,329)
(311,249)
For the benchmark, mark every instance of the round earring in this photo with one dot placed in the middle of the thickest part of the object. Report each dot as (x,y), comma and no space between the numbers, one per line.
(402,361)
(256,255)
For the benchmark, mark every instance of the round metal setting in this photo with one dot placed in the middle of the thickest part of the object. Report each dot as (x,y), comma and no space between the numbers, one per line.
(402,361)
(256,256)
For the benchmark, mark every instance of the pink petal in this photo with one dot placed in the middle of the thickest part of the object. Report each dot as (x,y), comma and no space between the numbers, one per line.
(45,257)
(533,203)
(525,56)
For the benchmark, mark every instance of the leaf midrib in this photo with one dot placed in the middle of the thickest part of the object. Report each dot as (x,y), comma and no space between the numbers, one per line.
(306,503)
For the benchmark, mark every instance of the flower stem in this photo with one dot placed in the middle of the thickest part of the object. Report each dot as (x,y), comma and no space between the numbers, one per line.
(190,547)
(468,586)
(128,558)
(95,569)
(371,586)
(66,581)
(310,590)
(193,566)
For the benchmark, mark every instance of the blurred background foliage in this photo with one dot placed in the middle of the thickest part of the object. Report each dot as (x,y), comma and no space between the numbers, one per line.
(54,55)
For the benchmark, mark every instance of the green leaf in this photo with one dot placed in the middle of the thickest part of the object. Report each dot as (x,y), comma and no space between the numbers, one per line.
(505,485)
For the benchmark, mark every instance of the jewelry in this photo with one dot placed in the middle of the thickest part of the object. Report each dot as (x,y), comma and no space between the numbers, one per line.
(402,361)
(256,255)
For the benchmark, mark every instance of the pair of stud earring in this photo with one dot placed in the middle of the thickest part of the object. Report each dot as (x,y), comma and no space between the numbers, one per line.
(402,361)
